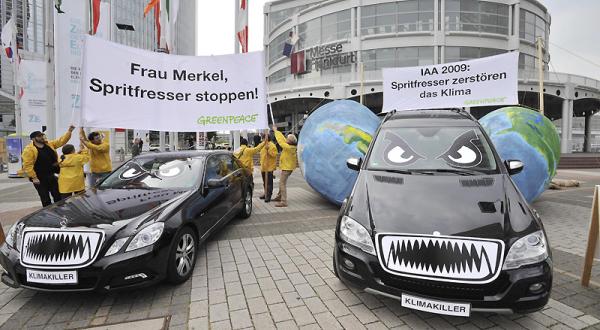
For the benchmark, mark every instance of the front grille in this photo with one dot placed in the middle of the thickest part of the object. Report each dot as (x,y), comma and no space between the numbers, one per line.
(442,289)
(47,248)
(440,258)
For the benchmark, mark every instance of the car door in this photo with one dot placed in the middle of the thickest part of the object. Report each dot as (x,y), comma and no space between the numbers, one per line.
(215,201)
(236,183)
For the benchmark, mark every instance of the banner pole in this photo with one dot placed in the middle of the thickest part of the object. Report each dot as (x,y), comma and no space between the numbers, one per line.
(592,240)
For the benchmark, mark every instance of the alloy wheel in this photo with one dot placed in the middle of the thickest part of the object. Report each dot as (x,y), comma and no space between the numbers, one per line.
(186,252)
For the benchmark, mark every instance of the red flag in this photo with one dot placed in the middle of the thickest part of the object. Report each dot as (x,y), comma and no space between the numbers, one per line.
(149,6)
(298,63)
(95,15)
(157,21)
(241,28)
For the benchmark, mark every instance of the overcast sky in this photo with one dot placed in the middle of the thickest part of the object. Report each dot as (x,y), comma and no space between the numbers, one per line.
(575,27)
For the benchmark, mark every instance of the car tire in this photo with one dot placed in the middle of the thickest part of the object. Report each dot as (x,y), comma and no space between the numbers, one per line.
(246,211)
(182,257)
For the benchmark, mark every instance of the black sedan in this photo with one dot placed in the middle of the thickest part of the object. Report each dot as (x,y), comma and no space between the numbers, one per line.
(436,221)
(142,224)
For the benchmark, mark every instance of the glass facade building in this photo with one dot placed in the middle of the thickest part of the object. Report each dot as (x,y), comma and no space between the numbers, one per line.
(377,34)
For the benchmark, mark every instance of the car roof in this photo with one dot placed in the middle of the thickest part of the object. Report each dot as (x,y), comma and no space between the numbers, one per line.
(427,118)
(184,154)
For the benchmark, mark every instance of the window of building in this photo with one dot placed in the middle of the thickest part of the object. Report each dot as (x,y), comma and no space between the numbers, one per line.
(276,47)
(403,16)
(532,26)
(276,17)
(455,54)
(476,16)
(309,33)
(376,59)
(279,75)
(335,26)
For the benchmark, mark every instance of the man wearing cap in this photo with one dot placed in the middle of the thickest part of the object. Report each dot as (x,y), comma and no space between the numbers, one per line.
(100,162)
(40,163)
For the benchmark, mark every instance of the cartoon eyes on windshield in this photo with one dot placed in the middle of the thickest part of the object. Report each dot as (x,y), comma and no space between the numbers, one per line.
(463,152)
(398,152)
(134,171)
(169,172)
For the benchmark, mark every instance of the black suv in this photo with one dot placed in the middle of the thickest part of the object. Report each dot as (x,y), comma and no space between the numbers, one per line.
(435,220)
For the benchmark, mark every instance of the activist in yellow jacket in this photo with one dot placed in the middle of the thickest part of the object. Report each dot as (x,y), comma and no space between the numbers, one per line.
(71,178)
(246,154)
(99,154)
(288,160)
(30,153)
(268,157)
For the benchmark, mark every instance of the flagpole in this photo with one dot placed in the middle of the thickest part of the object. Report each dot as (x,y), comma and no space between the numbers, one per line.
(49,56)
(18,127)
(236,48)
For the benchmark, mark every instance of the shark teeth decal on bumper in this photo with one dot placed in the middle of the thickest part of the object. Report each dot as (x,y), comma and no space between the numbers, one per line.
(46,248)
(440,258)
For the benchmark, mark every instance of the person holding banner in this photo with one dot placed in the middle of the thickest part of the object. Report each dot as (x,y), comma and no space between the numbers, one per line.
(72,179)
(40,164)
(268,164)
(288,161)
(246,154)
(100,162)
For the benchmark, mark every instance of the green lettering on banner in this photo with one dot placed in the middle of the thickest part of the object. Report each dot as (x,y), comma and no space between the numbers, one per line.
(222,120)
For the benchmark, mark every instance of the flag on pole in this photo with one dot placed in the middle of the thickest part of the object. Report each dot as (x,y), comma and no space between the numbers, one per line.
(8,32)
(289,45)
(94,15)
(298,63)
(149,6)
(241,28)
(157,22)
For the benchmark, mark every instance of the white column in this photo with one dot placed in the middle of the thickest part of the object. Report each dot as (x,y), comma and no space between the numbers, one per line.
(565,126)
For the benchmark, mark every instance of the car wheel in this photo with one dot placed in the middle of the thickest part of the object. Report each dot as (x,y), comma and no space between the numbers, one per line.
(247,208)
(183,256)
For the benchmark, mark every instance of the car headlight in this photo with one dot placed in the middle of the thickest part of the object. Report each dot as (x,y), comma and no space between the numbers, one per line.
(14,235)
(527,250)
(116,246)
(357,235)
(146,236)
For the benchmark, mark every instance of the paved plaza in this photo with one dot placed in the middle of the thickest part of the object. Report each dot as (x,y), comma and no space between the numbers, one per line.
(274,270)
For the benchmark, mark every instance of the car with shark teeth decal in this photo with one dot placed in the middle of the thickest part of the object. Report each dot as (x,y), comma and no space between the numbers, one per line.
(142,224)
(435,221)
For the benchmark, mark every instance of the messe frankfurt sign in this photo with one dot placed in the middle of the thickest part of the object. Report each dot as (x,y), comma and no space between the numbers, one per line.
(320,58)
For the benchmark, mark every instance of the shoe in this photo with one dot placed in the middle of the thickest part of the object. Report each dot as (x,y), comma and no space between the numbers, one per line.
(267,200)
(262,197)
(281,204)
(276,199)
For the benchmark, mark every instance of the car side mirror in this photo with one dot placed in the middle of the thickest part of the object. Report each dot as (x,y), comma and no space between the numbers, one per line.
(354,163)
(215,183)
(514,166)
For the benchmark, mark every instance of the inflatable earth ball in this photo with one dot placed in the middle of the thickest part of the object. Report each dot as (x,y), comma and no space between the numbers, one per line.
(333,133)
(525,135)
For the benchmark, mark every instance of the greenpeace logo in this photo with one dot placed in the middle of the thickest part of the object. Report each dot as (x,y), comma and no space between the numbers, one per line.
(491,100)
(222,120)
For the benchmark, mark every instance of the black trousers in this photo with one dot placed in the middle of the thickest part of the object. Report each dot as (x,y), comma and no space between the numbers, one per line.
(269,182)
(48,186)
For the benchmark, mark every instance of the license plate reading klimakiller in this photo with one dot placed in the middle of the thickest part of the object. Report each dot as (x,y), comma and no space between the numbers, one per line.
(436,306)
(56,277)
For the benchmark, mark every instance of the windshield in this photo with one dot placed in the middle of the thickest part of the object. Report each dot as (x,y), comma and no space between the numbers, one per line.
(442,149)
(155,173)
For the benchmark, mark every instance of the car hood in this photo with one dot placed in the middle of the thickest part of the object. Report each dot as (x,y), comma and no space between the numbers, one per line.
(104,208)
(475,206)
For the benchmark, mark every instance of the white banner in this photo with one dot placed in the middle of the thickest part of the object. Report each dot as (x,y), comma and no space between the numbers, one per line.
(68,29)
(133,88)
(32,83)
(482,82)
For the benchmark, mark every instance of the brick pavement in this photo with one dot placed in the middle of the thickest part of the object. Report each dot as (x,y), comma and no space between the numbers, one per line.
(274,270)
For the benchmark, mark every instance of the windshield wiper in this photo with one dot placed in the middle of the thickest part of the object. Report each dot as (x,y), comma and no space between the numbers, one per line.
(452,170)
(393,171)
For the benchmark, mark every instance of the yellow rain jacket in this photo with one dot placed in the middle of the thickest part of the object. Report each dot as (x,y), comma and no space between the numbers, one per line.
(30,153)
(268,158)
(288,160)
(71,178)
(99,157)
(246,155)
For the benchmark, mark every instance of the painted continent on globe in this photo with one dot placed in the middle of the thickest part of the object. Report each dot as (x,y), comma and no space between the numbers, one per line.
(522,134)
(331,134)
